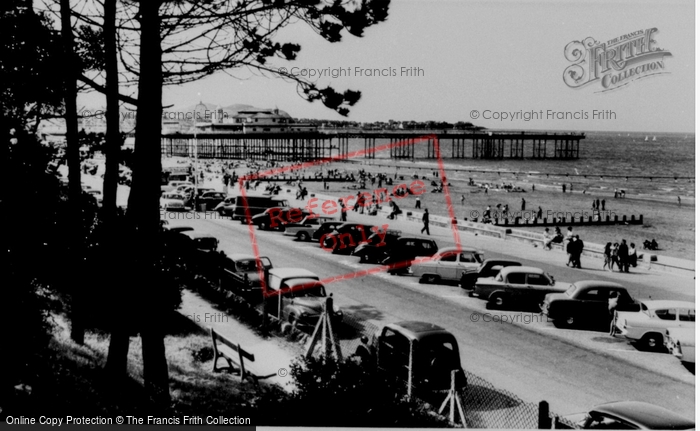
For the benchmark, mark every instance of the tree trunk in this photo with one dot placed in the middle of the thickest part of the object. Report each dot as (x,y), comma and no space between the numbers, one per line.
(144,211)
(113,138)
(74,187)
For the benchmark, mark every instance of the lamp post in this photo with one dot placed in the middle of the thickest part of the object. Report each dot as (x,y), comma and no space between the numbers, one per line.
(196,152)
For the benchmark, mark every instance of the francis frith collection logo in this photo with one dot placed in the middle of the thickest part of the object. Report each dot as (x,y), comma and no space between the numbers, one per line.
(615,63)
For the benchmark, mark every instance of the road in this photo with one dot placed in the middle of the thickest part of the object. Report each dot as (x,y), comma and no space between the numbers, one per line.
(573,370)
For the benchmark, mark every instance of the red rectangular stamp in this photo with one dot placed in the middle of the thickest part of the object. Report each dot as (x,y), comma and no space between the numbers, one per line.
(330,207)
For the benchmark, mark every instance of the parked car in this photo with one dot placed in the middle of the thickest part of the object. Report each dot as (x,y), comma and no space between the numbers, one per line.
(488,268)
(297,296)
(375,249)
(277,218)
(447,265)
(346,238)
(405,250)
(240,273)
(255,205)
(585,303)
(211,199)
(680,342)
(200,250)
(625,415)
(522,285)
(225,207)
(173,202)
(172,185)
(304,230)
(648,325)
(422,352)
(325,229)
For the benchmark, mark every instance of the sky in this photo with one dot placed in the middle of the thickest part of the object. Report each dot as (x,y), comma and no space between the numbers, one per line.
(477,61)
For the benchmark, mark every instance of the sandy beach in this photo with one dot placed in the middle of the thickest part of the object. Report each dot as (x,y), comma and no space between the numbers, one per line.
(671,225)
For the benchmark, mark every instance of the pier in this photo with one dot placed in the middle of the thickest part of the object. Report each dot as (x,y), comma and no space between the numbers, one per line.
(307,146)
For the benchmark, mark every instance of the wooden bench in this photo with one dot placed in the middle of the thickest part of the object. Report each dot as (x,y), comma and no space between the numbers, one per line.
(235,356)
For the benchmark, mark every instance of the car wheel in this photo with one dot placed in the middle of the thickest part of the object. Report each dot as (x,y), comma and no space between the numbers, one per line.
(430,278)
(652,342)
(497,300)
(303,236)
(570,322)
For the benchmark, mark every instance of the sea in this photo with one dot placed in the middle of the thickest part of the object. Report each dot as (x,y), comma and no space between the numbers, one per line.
(660,164)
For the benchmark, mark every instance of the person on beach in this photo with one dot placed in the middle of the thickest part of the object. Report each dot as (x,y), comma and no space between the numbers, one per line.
(533,187)
(632,256)
(679,201)
(607,256)
(522,204)
(426,223)
(602,204)
(539,212)
(462,199)
(563,188)
(616,193)
(623,257)
(418,203)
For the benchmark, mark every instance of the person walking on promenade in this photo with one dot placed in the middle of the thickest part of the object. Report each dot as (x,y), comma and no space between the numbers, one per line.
(612,310)
(623,257)
(539,213)
(343,212)
(522,204)
(597,204)
(578,251)
(570,247)
(418,203)
(607,256)
(614,258)
(602,204)
(426,222)
(632,255)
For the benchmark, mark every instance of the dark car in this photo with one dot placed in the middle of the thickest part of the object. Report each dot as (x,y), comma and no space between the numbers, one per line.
(211,199)
(376,248)
(253,205)
(489,268)
(200,250)
(346,237)
(422,352)
(629,415)
(517,286)
(240,274)
(585,303)
(277,218)
(325,229)
(406,249)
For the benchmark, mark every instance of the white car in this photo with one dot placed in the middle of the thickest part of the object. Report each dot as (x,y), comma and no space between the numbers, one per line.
(305,229)
(680,342)
(447,264)
(648,326)
(173,202)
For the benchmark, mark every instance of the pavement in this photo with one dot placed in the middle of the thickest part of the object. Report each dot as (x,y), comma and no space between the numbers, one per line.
(271,355)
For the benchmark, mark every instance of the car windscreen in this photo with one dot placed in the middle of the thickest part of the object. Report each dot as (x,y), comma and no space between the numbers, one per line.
(570,291)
